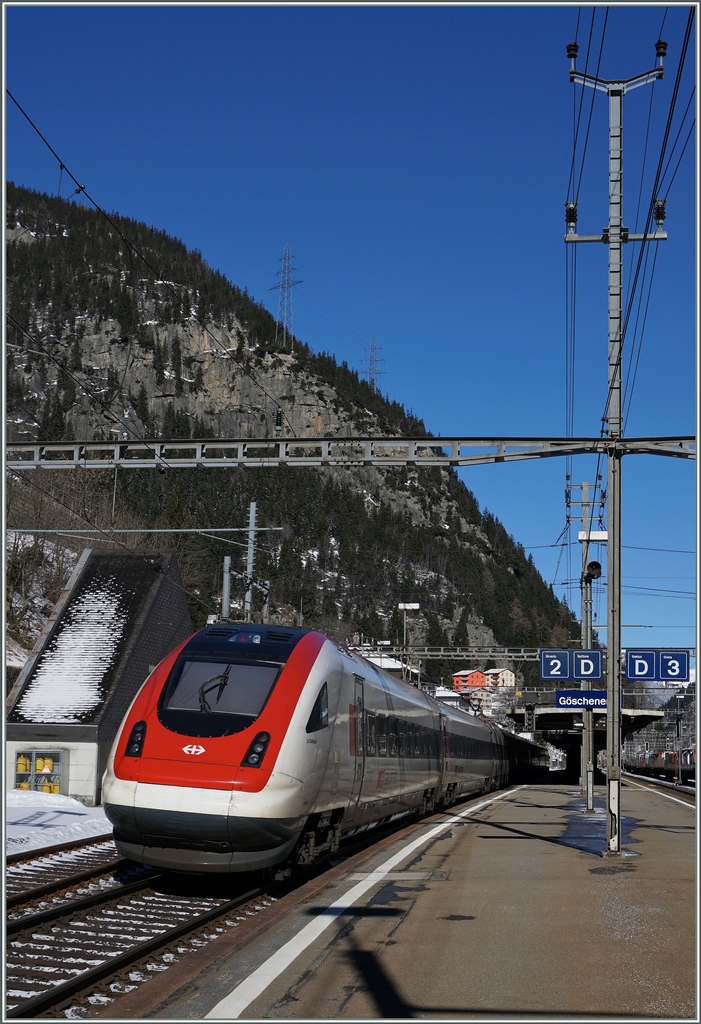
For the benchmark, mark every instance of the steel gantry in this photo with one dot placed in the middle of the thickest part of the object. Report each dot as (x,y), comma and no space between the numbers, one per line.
(383,452)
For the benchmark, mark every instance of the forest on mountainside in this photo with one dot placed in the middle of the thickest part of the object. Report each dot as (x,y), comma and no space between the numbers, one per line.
(89,318)
(78,272)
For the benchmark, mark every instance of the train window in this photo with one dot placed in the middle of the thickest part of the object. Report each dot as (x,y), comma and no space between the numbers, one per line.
(208,697)
(409,739)
(401,737)
(392,736)
(319,717)
(417,741)
(371,734)
(382,736)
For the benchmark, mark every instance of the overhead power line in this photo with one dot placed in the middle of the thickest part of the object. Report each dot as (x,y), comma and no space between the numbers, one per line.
(653,210)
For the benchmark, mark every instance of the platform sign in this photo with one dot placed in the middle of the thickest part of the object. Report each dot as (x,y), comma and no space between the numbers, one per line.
(554,665)
(640,665)
(673,665)
(587,665)
(657,665)
(570,665)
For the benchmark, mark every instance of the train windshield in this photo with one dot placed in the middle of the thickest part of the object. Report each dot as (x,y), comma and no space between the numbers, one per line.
(210,697)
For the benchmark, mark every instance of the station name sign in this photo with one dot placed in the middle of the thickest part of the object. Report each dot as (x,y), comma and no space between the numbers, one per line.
(594,700)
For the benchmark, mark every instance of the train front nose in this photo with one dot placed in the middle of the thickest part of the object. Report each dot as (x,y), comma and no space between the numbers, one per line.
(200,776)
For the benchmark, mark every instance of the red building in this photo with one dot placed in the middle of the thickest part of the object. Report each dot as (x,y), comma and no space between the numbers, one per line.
(469,680)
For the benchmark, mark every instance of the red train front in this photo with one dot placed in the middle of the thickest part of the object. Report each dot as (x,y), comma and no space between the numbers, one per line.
(197,778)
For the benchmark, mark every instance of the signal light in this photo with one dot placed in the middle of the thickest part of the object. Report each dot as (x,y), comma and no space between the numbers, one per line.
(256,751)
(135,744)
(593,571)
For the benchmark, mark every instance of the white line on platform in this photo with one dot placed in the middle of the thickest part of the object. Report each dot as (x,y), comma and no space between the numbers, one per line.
(256,983)
(659,792)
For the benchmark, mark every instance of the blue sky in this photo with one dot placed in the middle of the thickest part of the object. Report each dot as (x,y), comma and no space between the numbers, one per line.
(416,160)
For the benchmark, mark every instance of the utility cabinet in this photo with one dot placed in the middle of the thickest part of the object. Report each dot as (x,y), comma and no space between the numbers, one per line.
(43,771)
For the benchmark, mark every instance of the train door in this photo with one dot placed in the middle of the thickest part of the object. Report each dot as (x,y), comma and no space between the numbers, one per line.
(356,731)
(443,753)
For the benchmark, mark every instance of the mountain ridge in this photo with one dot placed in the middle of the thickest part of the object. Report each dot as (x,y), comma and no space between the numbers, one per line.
(380,536)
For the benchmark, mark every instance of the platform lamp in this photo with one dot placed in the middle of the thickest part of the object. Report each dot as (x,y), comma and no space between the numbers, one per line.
(591,571)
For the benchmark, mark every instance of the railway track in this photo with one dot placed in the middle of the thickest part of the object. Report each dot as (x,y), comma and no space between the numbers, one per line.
(55,955)
(685,793)
(29,877)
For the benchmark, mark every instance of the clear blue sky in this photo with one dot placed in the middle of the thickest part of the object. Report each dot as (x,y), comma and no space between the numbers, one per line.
(416,160)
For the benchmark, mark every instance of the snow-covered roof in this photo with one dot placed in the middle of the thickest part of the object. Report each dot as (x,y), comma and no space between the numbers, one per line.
(384,661)
(100,645)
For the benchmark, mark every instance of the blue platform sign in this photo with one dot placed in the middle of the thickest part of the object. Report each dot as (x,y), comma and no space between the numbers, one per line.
(587,665)
(674,665)
(554,665)
(657,665)
(570,665)
(594,700)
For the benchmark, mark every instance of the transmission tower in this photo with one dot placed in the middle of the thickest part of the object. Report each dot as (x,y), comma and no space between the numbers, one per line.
(373,360)
(284,299)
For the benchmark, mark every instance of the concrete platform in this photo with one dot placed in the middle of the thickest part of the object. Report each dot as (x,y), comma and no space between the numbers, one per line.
(504,909)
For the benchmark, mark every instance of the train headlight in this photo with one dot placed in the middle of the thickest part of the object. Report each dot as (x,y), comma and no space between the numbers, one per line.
(256,751)
(135,744)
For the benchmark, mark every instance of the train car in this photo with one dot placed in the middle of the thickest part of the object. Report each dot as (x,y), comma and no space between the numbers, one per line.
(254,747)
(662,764)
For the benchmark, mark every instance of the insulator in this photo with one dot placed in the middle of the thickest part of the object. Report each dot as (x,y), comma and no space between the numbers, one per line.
(573,50)
(571,214)
(660,49)
(278,419)
(660,212)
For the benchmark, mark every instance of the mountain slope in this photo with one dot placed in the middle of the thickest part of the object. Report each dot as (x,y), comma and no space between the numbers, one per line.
(102,342)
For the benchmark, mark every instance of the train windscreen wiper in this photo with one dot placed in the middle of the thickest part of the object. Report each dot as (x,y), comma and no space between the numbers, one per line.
(223,678)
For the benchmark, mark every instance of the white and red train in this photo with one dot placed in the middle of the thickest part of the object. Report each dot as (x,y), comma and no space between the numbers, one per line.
(251,747)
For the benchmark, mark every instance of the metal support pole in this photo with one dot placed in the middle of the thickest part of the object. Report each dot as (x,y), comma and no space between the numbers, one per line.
(266,603)
(587,641)
(614,236)
(615,430)
(250,558)
(226,588)
(114,493)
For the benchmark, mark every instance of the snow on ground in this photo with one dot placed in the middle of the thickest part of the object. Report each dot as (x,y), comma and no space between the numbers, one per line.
(15,654)
(37,820)
(68,682)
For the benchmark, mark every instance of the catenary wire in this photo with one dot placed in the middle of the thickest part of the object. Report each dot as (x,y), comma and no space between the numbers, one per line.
(691,130)
(591,107)
(576,117)
(648,221)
